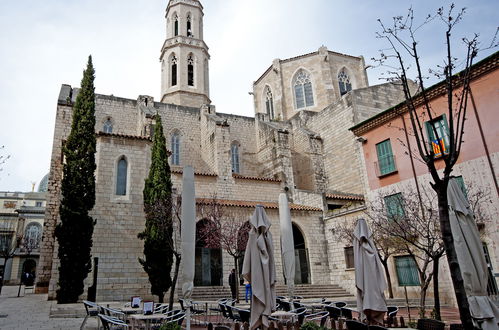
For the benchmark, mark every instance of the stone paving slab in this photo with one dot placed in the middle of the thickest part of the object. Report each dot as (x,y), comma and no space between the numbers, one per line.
(32,312)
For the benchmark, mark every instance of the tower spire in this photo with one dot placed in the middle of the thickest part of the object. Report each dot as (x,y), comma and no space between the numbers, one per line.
(184,56)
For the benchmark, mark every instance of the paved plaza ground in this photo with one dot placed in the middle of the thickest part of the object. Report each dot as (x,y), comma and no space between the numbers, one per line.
(32,311)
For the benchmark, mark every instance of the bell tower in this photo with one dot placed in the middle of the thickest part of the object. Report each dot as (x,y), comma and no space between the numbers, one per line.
(184,56)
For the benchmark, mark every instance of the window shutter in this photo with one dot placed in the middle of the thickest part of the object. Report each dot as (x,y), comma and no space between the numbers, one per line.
(407,272)
(385,157)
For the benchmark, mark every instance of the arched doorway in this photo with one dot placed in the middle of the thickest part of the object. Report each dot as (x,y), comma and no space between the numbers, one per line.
(28,272)
(301,257)
(208,257)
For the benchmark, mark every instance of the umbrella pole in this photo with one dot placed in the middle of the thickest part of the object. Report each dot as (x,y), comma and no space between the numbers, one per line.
(188,316)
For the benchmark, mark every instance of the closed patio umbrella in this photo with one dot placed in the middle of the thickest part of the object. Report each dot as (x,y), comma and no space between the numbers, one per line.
(259,268)
(369,276)
(287,244)
(469,250)
(188,235)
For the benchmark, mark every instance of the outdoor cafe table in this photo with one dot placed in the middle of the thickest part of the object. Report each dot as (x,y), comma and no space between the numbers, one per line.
(137,319)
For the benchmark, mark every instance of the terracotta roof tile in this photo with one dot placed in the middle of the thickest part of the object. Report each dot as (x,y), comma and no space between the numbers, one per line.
(250,204)
(145,138)
(245,177)
(344,196)
(179,170)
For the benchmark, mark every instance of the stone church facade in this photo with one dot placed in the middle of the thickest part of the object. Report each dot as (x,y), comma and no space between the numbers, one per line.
(298,142)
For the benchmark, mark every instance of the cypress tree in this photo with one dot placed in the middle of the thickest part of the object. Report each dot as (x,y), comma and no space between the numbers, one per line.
(74,232)
(158,255)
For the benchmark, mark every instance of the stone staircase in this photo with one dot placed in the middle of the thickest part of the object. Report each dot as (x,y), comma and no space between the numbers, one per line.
(307,291)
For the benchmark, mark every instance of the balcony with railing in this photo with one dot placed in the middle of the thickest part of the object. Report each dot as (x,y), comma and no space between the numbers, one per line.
(385,165)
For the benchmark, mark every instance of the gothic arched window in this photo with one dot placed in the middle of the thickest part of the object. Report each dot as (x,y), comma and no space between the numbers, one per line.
(234,154)
(175,25)
(190,70)
(121,176)
(108,126)
(173,62)
(304,96)
(189,26)
(269,103)
(344,82)
(175,149)
(33,235)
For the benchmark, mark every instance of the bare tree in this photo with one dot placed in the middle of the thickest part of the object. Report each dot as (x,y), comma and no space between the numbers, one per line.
(417,231)
(386,244)
(401,55)
(225,231)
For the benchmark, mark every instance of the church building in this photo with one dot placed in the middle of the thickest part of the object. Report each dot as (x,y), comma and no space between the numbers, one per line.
(298,142)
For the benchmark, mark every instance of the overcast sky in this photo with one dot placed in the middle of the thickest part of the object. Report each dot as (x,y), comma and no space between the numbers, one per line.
(44,44)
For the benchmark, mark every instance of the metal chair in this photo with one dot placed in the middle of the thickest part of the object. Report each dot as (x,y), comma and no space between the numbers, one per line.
(285,305)
(218,309)
(346,313)
(391,314)
(244,314)
(356,325)
(160,308)
(92,310)
(334,312)
(377,327)
(113,313)
(111,323)
(430,324)
(232,316)
(299,313)
(340,304)
(322,316)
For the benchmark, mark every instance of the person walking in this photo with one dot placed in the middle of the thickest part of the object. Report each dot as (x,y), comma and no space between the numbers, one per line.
(232,283)
(247,285)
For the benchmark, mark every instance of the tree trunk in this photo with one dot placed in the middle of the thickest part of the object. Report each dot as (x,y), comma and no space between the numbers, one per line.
(436,294)
(422,301)
(455,270)
(384,262)
(237,279)
(178,257)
